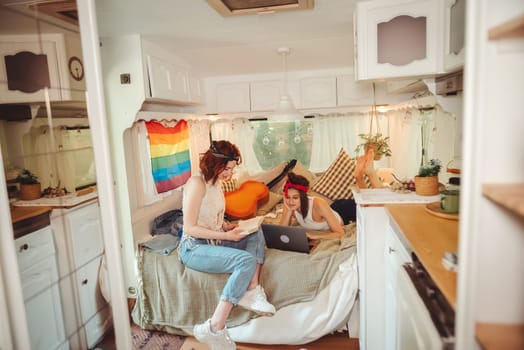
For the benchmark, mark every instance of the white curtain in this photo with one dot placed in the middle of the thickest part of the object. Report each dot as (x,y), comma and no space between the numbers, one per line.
(198,141)
(413,130)
(334,131)
(240,132)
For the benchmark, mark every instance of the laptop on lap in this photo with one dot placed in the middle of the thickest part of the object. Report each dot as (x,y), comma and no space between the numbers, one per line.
(289,238)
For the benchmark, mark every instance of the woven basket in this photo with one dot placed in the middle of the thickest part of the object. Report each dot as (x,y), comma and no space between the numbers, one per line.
(426,185)
(30,191)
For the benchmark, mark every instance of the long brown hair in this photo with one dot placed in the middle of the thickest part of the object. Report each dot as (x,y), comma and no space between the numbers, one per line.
(215,160)
(295,179)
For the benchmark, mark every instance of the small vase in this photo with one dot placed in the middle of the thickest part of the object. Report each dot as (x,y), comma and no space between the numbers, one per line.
(30,191)
(426,185)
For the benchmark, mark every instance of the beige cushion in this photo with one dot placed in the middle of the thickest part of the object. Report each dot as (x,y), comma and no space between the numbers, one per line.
(273,200)
(299,169)
(336,182)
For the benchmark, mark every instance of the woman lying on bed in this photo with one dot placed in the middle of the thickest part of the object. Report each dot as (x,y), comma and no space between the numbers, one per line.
(314,213)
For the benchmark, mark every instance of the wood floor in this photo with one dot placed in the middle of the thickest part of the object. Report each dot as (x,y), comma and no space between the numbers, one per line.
(329,342)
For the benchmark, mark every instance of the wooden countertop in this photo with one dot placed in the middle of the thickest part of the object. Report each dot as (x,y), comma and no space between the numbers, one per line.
(21,213)
(429,237)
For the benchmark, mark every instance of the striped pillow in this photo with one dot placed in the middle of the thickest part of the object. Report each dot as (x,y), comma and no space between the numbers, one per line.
(336,181)
(229,185)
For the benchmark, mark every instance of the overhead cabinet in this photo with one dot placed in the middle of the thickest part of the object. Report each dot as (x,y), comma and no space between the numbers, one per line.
(33,66)
(169,79)
(408,38)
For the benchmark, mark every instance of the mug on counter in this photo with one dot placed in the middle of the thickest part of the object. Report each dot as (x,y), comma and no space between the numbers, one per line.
(449,201)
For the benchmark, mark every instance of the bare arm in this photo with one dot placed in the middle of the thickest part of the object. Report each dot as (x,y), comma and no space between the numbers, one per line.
(194,192)
(285,219)
(323,211)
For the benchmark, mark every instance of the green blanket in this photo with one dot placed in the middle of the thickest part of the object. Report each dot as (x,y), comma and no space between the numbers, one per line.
(173,298)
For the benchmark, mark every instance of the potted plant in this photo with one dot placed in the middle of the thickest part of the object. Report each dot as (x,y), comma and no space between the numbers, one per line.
(378,142)
(426,182)
(30,187)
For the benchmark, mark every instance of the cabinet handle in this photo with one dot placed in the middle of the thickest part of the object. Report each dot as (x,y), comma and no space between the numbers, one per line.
(24,246)
(84,282)
(391,250)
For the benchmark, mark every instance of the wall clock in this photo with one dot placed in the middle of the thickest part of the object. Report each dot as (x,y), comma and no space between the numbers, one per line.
(76,68)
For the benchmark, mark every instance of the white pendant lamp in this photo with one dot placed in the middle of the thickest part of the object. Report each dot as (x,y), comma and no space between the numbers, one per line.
(285,110)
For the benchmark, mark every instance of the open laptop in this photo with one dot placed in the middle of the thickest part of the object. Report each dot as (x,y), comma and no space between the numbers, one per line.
(290,238)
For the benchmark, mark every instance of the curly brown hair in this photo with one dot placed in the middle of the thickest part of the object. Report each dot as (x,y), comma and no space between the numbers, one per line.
(215,160)
(300,180)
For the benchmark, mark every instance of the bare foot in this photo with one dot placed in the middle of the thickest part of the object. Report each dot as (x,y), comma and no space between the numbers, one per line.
(364,163)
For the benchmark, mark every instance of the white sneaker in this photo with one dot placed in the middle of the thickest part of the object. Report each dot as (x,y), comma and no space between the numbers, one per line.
(218,340)
(256,300)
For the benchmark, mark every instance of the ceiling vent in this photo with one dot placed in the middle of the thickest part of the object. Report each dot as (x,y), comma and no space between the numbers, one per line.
(229,8)
(61,9)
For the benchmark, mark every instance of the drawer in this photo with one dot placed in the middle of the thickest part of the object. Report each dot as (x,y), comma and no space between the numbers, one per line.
(91,299)
(34,247)
(86,234)
(39,277)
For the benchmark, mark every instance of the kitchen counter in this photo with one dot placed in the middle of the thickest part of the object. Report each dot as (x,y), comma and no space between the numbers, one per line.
(429,237)
(28,219)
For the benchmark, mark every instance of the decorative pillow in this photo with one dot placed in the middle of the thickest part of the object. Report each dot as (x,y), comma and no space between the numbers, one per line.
(273,200)
(336,182)
(229,185)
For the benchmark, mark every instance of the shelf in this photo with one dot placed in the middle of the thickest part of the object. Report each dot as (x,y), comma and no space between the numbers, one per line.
(510,196)
(510,29)
(500,336)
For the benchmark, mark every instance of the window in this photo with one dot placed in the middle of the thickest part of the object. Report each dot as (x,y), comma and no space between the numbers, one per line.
(277,142)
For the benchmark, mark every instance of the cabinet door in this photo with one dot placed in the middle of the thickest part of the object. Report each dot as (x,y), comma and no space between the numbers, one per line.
(44,319)
(396,256)
(399,39)
(90,297)
(353,93)
(318,92)
(265,95)
(86,233)
(455,13)
(233,98)
(47,48)
(167,81)
(196,91)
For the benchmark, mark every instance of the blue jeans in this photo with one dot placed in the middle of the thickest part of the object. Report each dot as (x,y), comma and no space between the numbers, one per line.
(240,259)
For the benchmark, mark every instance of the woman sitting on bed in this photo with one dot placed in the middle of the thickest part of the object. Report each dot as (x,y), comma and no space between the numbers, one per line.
(209,244)
(314,213)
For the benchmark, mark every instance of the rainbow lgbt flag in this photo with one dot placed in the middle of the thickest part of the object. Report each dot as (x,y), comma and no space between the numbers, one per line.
(169,152)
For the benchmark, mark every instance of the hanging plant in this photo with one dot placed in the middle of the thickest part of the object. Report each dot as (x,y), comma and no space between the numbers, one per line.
(378,142)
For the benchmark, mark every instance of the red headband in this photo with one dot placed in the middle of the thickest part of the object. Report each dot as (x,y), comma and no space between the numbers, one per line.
(295,186)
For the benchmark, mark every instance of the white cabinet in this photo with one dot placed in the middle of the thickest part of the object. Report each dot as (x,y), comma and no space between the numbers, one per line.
(233,97)
(264,95)
(169,79)
(38,269)
(398,38)
(396,255)
(318,92)
(372,226)
(454,25)
(351,92)
(32,62)
(79,241)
